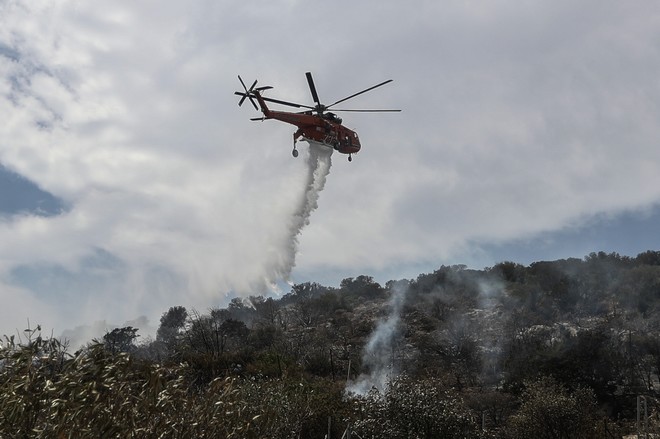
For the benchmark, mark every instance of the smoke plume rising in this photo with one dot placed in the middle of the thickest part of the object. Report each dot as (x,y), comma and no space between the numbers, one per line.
(377,357)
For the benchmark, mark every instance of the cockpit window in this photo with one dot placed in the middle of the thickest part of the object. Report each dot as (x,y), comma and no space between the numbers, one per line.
(333,117)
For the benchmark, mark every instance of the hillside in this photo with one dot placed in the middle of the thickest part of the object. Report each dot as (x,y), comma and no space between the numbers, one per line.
(554,349)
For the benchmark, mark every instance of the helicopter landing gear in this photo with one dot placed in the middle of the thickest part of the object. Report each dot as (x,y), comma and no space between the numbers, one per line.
(295,139)
(350,158)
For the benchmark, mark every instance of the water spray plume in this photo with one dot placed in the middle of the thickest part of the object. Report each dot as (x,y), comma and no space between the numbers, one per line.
(319,162)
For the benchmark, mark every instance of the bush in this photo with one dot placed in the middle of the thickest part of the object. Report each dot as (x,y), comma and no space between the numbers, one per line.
(413,409)
(549,411)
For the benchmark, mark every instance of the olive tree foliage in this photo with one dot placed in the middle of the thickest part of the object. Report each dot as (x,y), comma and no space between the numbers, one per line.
(121,339)
(648,257)
(550,411)
(303,306)
(237,309)
(267,310)
(214,334)
(421,409)
(362,286)
(172,324)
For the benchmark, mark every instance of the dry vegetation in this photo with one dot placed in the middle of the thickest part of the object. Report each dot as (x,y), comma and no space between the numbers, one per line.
(557,349)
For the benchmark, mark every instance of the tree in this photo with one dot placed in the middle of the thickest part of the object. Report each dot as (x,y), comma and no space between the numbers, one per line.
(510,271)
(306,290)
(414,409)
(648,258)
(549,411)
(120,339)
(213,336)
(171,324)
(362,286)
(642,285)
(305,302)
(267,310)
(239,309)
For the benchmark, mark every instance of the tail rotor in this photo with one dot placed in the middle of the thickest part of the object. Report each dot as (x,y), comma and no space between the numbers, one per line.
(249,93)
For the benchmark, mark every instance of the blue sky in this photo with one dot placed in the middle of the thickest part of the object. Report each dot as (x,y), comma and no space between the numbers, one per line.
(19,196)
(132,182)
(629,234)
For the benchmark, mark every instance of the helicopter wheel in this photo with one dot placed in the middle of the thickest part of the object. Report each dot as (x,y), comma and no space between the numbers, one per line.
(295,153)
(350,159)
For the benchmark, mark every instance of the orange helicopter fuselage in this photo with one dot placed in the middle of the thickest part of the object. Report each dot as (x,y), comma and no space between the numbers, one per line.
(325,129)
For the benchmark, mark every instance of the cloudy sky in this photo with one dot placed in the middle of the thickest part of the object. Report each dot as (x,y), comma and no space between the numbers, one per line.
(131,181)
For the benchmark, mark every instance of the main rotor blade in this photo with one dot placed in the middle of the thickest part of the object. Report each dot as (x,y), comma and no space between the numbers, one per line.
(369,111)
(360,92)
(312,88)
(290,104)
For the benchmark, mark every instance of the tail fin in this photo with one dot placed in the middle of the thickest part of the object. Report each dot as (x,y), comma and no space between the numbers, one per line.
(250,93)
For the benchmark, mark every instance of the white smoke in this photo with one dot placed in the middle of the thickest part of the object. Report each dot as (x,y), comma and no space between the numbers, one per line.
(378,357)
(319,162)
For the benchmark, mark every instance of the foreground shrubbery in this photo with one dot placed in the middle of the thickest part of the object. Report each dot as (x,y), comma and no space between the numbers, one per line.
(44,392)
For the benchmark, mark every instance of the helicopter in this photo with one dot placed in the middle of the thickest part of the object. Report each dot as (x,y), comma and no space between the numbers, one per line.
(315,125)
